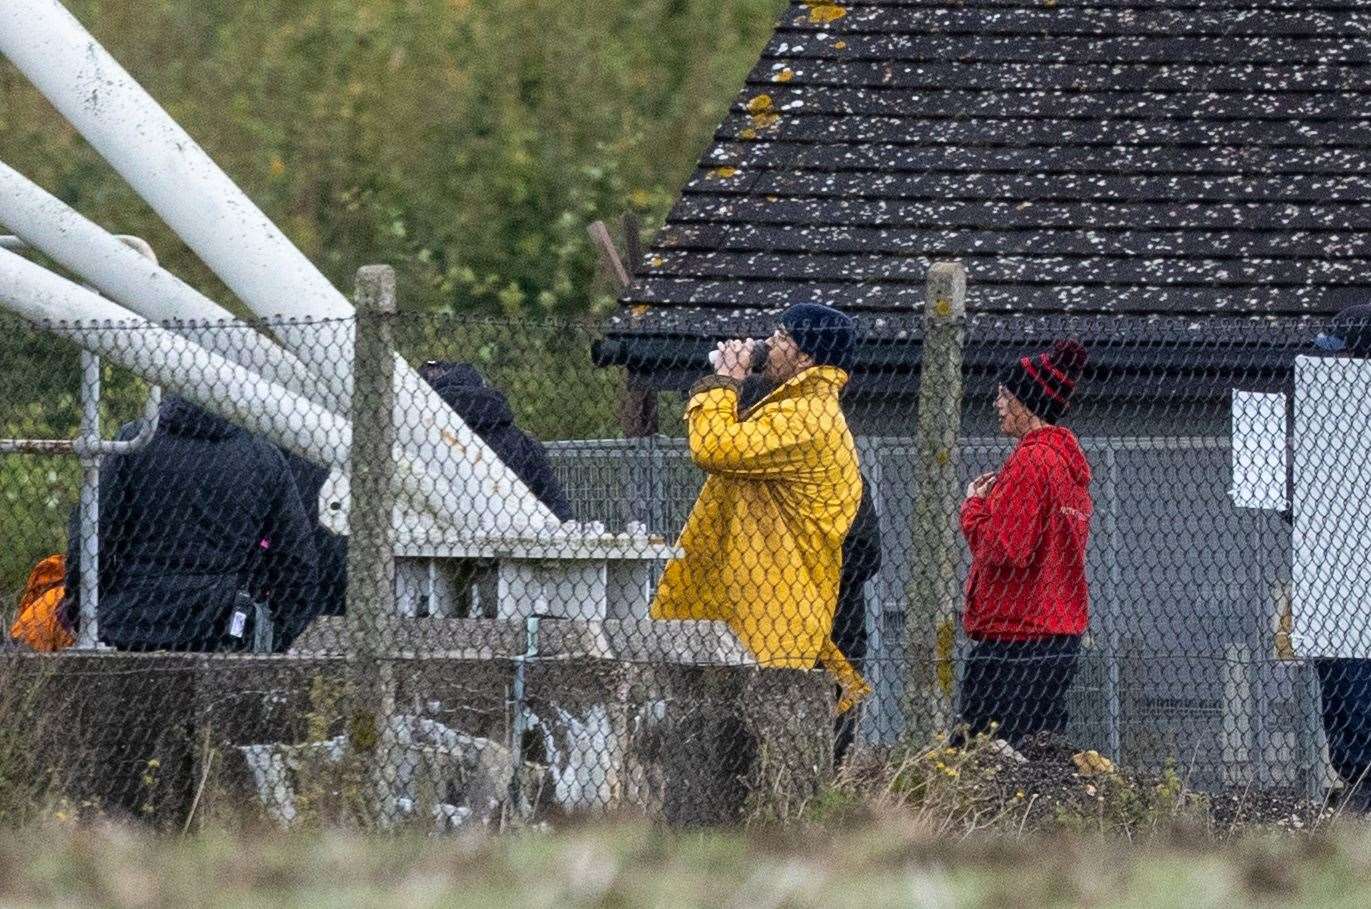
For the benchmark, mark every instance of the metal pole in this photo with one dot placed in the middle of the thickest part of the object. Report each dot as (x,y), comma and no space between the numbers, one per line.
(1113,611)
(91,450)
(114,267)
(89,635)
(159,355)
(371,547)
(935,589)
(521,711)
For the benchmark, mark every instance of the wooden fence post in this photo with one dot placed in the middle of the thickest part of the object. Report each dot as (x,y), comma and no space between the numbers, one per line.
(371,549)
(935,588)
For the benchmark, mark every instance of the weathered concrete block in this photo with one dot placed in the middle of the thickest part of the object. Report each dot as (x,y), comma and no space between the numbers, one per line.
(724,744)
(105,732)
(149,734)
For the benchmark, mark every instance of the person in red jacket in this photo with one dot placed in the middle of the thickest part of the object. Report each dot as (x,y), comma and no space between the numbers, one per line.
(1027,526)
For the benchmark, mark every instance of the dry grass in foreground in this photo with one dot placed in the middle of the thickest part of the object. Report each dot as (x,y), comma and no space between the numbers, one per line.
(1049,786)
(883,861)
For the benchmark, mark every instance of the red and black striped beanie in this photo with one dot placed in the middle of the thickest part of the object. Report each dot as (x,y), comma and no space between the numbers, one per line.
(1045,383)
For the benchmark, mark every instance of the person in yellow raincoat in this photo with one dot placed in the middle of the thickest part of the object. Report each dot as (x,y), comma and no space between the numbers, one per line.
(763,544)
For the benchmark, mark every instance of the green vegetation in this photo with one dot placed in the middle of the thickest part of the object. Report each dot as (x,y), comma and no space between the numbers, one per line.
(468,143)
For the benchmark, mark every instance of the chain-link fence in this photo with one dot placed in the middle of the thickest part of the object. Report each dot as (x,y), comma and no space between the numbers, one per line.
(453,592)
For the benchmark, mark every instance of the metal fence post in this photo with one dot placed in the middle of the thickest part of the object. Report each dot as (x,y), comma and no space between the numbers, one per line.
(935,587)
(371,551)
(1112,609)
(88,523)
(90,450)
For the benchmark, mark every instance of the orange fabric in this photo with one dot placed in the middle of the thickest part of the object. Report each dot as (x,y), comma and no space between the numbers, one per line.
(36,623)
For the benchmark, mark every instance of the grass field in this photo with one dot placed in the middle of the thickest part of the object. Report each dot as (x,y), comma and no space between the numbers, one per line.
(877,862)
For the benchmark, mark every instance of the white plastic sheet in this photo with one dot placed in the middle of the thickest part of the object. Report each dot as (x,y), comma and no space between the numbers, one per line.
(1331,610)
(1260,465)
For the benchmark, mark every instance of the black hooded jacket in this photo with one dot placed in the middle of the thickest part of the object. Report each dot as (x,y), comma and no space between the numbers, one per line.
(204,511)
(487,412)
(861,561)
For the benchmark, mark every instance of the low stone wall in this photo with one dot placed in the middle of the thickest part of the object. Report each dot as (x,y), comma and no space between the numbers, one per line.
(153,735)
(101,732)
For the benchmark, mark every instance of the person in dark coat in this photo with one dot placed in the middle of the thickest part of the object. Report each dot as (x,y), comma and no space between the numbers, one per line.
(861,561)
(486,411)
(1344,682)
(194,529)
(332,548)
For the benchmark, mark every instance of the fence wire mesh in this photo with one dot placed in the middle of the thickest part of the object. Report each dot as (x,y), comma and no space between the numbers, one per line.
(697,623)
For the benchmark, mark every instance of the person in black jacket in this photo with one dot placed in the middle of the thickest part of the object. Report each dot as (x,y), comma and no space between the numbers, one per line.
(861,561)
(486,411)
(197,527)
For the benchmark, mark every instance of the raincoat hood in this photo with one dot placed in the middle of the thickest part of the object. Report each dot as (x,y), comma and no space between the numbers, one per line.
(481,406)
(487,412)
(1064,443)
(182,418)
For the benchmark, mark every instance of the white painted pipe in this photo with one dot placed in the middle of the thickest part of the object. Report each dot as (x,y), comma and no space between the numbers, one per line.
(140,285)
(242,246)
(215,383)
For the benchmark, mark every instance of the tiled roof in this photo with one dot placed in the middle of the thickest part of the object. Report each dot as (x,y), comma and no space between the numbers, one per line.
(1105,157)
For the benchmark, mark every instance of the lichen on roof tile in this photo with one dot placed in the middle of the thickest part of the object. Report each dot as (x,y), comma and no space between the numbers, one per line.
(822,12)
(760,104)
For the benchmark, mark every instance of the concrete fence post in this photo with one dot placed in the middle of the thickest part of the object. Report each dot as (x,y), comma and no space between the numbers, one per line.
(371,550)
(935,588)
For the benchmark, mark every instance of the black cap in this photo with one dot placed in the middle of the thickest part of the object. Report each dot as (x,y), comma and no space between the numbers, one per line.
(823,332)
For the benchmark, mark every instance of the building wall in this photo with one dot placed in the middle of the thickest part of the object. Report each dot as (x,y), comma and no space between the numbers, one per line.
(895,417)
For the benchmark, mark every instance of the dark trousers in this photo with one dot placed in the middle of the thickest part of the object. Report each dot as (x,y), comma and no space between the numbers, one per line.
(1345,689)
(1018,685)
(849,633)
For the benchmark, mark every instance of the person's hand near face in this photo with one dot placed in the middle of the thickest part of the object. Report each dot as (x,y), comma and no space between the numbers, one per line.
(733,359)
(980,487)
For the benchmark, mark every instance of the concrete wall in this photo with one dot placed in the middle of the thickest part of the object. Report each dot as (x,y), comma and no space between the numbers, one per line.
(150,736)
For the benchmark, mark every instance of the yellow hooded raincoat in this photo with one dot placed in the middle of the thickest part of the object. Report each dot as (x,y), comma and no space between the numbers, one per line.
(763,544)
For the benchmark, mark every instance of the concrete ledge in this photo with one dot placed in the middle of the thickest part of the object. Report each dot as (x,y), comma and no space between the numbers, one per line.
(684,642)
